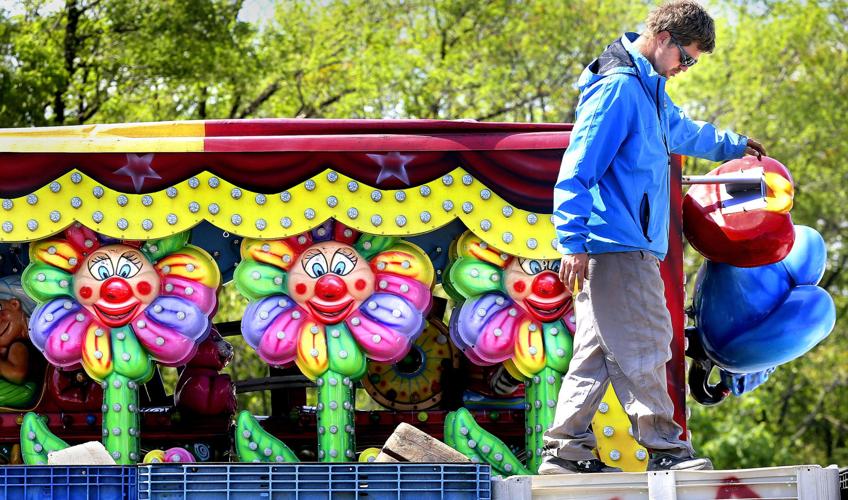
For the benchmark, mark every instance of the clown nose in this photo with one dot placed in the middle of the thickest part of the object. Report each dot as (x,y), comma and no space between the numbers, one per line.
(115,290)
(330,287)
(548,284)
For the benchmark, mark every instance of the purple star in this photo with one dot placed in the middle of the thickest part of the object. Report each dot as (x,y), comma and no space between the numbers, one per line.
(392,165)
(138,167)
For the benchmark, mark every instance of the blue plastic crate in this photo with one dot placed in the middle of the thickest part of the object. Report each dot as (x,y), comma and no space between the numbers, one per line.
(37,482)
(313,481)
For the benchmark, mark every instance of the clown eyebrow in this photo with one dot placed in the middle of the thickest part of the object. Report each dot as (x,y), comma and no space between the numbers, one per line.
(132,257)
(312,253)
(350,254)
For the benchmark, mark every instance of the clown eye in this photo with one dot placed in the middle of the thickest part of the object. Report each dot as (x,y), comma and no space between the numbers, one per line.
(532,266)
(343,263)
(316,266)
(554,266)
(128,265)
(101,268)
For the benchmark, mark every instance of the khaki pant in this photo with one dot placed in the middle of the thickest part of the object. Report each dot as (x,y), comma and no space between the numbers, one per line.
(623,336)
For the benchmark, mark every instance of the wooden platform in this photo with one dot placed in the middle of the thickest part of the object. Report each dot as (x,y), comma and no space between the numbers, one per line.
(803,482)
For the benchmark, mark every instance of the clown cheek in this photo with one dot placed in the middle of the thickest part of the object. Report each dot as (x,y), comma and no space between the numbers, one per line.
(300,290)
(144,288)
(518,289)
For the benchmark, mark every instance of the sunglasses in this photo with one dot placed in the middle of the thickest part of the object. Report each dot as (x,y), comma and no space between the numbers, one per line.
(685,58)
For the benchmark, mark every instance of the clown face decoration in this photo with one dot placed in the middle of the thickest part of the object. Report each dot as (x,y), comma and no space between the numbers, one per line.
(331,280)
(115,284)
(534,285)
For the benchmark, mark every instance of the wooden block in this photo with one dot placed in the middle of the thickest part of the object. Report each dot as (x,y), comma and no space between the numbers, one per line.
(90,453)
(408,444)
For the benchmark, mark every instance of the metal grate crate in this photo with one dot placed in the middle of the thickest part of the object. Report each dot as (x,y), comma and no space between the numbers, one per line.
(310,481)
(37,482)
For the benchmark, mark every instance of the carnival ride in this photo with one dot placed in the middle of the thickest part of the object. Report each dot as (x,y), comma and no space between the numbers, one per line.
(414,258)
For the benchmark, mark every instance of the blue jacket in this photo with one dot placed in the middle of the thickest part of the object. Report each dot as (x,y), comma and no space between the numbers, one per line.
(612,194)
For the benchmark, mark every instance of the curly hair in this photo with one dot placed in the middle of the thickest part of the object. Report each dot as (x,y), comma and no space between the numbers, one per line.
(686,20)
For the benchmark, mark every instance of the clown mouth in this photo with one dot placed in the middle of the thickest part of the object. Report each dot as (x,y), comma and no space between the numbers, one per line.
(116,316)
(330,313)
(546,311)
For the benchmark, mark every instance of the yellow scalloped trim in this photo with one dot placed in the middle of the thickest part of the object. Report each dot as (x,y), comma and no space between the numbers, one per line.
(619,448)
(404,212)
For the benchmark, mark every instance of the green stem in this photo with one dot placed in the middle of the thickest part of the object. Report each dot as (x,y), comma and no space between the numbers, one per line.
(121,422)
(336,440)
(540,395)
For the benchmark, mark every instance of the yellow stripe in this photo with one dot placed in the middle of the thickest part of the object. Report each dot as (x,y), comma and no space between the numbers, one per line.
(160,137)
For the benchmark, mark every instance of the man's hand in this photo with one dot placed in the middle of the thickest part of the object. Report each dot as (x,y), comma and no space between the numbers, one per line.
(754,148)
(573,269)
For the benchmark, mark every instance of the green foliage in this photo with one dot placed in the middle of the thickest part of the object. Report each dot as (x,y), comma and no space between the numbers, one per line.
(778,74)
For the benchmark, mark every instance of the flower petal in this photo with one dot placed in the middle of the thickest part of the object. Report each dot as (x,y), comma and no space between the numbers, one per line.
(202,296)
(44,282)
(62,325)
(255,280)
(192,263)
(412,290)
(345,355)
(278,253)
(380,342)
(394,312)
(497,337)
(57,253)
(469,244)
(83,239)
(475,313)
(312,350)
(156,249)
(171,329)
(470,277)
(97,352)
(129,357)
(529,349)
(260,314)
(405,259)
(278,345)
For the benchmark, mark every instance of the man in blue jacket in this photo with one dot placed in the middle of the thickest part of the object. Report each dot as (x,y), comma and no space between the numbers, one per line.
(611,209)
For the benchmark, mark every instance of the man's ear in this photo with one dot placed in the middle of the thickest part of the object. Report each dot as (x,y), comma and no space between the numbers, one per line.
(15,304)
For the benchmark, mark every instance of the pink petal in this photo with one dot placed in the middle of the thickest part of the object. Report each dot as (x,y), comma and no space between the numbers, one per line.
(282,351)
(200,295)
(379,342)
(68,352)
(173,349)
(416,292)
(497,348)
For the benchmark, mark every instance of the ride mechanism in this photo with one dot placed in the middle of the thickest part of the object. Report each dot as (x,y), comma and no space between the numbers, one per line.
(416,259)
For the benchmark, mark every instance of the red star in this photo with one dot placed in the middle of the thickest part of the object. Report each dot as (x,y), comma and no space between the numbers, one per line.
(392,165)
(138,168)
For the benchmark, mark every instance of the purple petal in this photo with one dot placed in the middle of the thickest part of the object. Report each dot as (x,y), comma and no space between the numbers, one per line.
(475,313)
(180,315)
(260,314)
(394,312)
(47,316)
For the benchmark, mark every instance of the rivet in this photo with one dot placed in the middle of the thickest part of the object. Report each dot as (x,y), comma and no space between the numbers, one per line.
(467,179)
(147,224)
(447,205)
(76,202)
(400,220)
(485,224)
(286,222)
(214,182)
(332,201)
(603,407)
(285,197)
(160,341)
(260,199)
(332,176)
(32,199)
(309,185)
(425,216)
(7,226)
(376,220)
(532,243)
(235,219)
(352,186)
(447,180)
(194,207)
(214,208)
(309,214)
(76,178)
(376,339)
(171,192)
(424,190)
(485,194)
(98,354)
(236,193)
(400,196)
(194,182)
(55,216)
(123,200)
(97,216)
(98,192)
(507,237)
(8,204)
(261,224)
(615,455)
(125,356)
(507,211)
(146,200)
(32,224)
(55,187)
(467,207)
(171,219)
(608,431)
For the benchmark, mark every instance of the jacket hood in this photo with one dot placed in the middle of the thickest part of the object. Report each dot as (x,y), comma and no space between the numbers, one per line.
(621,57)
